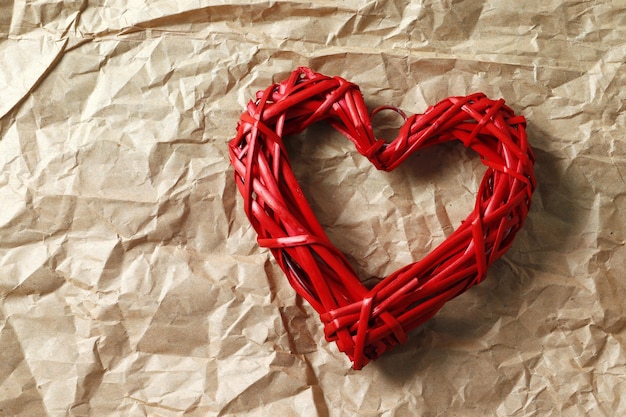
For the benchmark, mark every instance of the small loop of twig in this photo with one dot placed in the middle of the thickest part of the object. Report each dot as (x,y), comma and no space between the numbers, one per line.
(392,108)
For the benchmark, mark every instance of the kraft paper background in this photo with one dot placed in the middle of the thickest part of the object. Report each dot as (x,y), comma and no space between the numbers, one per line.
(131,283)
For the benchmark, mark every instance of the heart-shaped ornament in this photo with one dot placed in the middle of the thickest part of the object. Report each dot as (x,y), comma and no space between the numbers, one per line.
(367,322)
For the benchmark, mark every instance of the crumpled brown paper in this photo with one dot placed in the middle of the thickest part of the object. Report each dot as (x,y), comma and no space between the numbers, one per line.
(130,280)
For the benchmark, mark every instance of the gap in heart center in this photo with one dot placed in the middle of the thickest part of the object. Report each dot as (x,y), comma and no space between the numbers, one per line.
(380,220)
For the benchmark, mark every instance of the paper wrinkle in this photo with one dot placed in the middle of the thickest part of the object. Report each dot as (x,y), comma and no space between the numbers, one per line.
(131,282)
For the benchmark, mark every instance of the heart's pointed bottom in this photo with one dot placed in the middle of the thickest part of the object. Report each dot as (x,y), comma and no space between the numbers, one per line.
(365,323)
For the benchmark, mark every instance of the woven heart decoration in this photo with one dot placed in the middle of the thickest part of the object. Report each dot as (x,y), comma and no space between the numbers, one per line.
(367,322)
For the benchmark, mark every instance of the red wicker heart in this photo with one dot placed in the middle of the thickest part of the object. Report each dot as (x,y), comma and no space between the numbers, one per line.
(367,322)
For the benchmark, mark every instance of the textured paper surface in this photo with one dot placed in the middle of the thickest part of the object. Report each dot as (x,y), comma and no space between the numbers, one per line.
(130,280)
